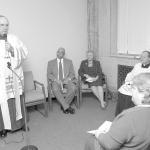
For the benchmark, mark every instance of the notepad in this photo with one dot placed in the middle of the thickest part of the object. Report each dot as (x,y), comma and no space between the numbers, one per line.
(89,79)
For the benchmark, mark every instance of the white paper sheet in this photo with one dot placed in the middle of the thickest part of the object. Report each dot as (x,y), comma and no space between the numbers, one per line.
(125,89)
(104,128)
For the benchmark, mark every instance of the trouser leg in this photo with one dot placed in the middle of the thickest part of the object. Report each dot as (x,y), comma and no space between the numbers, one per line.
(56,88)
(71,89)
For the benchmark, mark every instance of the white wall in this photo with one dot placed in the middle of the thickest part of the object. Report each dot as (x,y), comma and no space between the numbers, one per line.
(45,25)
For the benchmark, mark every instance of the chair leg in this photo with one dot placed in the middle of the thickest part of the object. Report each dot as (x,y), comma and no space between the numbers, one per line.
(106,98)
(45,108)
(36,107)
(80,97)
(78,100)
(50,102)
(27,114)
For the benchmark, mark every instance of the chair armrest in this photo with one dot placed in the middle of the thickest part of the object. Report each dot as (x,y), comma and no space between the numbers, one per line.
(81,84)
(39,83)
(42,86)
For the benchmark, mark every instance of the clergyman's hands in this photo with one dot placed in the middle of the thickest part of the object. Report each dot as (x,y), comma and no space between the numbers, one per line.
(9,48)
(58,81)
(65,81)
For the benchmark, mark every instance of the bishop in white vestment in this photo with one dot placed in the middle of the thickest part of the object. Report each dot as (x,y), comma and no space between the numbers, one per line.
(12,54)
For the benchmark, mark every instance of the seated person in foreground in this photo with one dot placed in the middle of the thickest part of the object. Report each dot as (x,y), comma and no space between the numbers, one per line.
(130,130)
(91,74)
(124,98)
(60,72)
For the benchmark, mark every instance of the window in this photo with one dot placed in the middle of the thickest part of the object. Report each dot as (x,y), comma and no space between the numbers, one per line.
(133,35)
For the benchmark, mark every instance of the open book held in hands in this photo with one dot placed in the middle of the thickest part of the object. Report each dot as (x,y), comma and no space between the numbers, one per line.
(102,129)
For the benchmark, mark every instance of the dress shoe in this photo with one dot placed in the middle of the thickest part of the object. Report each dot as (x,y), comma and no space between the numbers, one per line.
(64,111)
(71,110)
(104,106)
(24,129)
(3,133)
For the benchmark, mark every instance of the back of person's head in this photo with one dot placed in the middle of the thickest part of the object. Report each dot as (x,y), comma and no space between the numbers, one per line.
(142,82)
(147,51)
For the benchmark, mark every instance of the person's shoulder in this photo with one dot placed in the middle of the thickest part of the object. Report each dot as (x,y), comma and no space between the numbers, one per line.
(138,65)
(67,60)
(52,61)
(132,112)
(97,62)
(84,61)
(12,37)
(126,112)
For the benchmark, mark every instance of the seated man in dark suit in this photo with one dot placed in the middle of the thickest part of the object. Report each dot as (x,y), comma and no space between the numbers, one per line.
(60,72)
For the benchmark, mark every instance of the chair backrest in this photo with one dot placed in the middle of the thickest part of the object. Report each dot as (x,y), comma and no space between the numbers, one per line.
(28,81)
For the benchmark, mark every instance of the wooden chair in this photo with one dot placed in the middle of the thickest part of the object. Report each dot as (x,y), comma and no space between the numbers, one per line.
(84,88)
(51,95)
(34,92)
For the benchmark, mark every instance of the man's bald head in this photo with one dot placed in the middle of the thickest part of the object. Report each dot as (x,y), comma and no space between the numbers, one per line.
(4,25)
(60,53)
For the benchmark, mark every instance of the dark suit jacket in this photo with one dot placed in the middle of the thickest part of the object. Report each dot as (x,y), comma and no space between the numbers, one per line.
(84,69)
(52,70)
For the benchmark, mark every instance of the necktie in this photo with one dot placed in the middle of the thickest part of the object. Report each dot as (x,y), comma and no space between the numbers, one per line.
(60,71)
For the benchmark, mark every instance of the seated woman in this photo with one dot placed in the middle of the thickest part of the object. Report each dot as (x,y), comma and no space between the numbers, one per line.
(124,98)
(91,74)
(130,129)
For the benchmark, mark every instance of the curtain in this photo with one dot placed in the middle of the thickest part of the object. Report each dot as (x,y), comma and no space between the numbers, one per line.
(92,26)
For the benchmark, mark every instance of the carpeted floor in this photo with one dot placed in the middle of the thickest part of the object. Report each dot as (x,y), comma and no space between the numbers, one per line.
(60,131)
